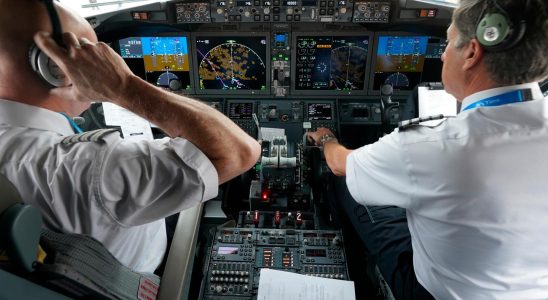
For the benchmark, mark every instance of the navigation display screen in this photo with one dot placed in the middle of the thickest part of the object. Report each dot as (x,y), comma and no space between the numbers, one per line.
(232,63)
(158,60)
(320,111)
(240,110)
(331,62)
(405,61)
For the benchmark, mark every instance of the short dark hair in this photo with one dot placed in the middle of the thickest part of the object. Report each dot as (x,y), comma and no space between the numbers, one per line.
(527,61)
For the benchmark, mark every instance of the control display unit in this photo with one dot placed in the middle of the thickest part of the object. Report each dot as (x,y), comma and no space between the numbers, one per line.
(405,61)
(321,114)
(161,60)
(333,64)
(240,111)
(319,111)
(236,64)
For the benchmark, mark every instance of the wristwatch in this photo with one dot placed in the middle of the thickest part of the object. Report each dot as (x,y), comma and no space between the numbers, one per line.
(326,138)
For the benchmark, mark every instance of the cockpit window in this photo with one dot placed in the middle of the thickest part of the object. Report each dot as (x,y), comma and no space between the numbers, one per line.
(89,8)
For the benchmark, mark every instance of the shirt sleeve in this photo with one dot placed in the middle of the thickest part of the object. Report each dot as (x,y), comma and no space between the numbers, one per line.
(376,174)
(140,182)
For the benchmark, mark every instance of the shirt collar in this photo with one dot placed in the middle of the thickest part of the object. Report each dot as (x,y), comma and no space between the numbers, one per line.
(23,115)
(535,89)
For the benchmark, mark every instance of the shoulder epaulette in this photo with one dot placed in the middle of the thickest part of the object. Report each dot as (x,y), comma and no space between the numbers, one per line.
(404,125)
(89,136)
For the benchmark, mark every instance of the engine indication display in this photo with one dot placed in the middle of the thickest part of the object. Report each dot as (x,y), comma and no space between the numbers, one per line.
(162,61)
(405,61)
(331,62)
(232,63)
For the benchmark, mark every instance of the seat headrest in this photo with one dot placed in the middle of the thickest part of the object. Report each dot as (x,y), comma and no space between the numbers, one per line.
(9,194)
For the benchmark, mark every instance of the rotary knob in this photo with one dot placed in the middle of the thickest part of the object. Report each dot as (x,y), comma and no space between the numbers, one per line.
(174,84)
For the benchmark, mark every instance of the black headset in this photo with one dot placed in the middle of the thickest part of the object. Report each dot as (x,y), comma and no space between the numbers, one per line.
(39,61)
(498,31)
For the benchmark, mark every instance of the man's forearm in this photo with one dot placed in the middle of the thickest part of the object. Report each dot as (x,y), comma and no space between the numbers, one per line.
(336,155)
(228,147)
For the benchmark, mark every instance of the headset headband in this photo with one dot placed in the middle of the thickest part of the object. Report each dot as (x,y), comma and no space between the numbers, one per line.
(57,33)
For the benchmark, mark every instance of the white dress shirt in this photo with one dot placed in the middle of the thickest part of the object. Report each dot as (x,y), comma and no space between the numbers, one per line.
(476,193)
(114,190)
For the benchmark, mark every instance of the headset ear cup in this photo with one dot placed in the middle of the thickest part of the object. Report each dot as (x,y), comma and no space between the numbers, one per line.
(492,30)
(34,52)
(45,68)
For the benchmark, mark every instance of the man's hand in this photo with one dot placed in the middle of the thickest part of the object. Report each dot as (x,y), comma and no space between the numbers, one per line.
(314,136)
(95,71)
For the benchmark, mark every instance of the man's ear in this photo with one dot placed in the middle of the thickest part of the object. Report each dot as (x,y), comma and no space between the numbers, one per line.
(472,54)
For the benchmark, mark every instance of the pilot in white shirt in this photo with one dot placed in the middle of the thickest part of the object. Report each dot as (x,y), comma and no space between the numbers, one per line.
(114,190)
(96,183)
(477,232)
(473,188)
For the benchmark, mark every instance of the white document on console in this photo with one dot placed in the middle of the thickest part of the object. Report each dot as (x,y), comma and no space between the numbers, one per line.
(435,102)
(281,285)
(133,126)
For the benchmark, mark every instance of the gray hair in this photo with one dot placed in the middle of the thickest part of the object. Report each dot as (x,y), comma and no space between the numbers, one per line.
(526,62)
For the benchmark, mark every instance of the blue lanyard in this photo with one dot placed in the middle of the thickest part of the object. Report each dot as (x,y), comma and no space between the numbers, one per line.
(506,98)
(72,124)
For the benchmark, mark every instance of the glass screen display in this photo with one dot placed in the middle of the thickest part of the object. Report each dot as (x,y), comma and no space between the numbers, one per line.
(320,111)
(240,110)
(158,60)
(316,253)
(405,61)
(331,62)
(227,250)
(232,63)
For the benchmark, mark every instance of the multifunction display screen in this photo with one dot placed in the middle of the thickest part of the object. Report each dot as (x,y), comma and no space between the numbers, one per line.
(232,63)
(331,62)
(405,61)
(240,110)
(227,250)
(158,60)
(320,111)
(316,253)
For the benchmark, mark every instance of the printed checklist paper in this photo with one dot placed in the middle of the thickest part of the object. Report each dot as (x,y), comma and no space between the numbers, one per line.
(280,285)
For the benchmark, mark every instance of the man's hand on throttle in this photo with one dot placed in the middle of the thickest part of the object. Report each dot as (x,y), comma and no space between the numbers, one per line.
(95,71)
(315,136)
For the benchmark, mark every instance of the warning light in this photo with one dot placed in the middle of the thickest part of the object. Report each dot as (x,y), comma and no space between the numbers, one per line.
(427,13)
(140,15)
(264,196)
(256,218)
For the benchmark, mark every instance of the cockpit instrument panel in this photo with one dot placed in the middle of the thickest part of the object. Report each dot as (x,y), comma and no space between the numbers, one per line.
(405,61)
(162,61)
(334,63)
(233,64)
